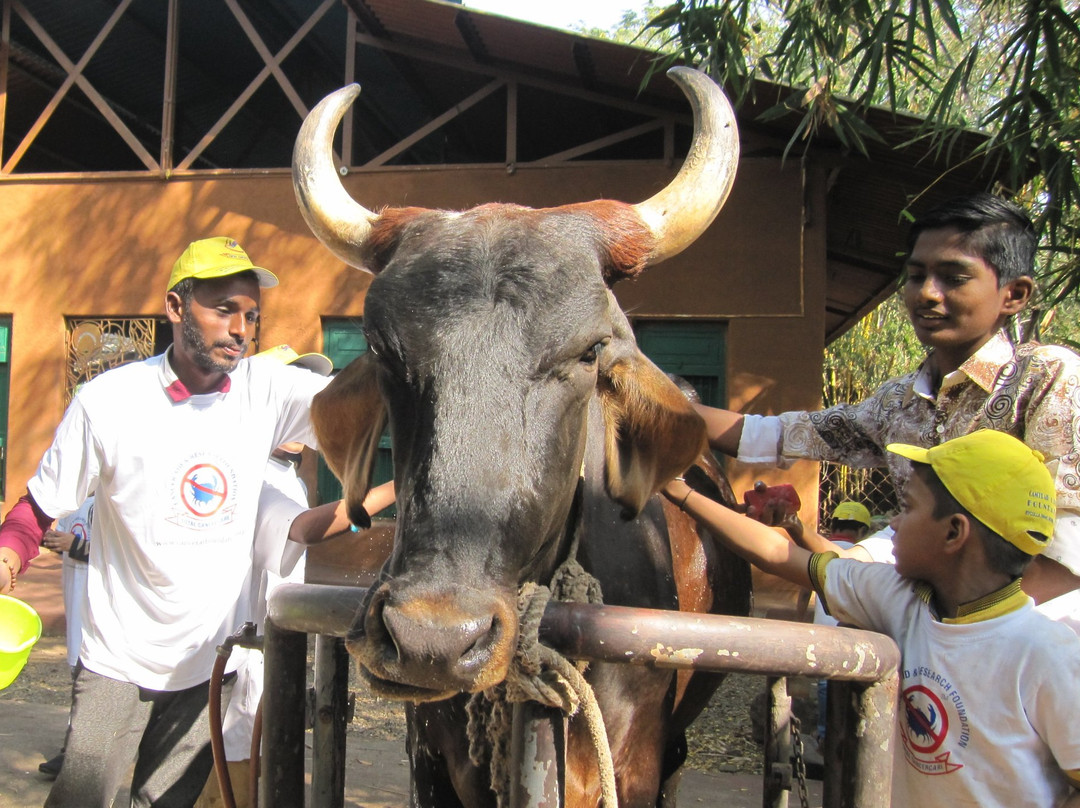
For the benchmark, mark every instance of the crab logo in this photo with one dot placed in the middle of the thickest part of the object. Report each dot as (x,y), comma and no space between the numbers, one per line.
(926,723)
(204,490)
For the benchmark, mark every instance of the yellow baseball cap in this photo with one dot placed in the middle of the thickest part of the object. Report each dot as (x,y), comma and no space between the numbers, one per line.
(315,362)
(216,257)
(849,511)
(1002,482)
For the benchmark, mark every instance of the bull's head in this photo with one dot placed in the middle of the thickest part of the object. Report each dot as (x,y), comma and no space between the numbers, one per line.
(491,330)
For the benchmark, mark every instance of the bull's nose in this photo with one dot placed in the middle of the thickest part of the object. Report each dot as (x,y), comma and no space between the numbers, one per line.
(452,640)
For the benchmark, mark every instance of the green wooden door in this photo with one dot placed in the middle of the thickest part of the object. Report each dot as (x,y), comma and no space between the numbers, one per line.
(693,350)
(343,341)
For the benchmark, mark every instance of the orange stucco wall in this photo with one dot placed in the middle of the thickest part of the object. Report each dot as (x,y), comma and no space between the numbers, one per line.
(105,248)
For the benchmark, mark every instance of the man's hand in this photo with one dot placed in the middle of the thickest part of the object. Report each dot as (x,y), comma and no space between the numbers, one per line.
(58,541)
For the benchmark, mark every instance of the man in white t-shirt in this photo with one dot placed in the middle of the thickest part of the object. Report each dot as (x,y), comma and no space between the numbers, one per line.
(175,449)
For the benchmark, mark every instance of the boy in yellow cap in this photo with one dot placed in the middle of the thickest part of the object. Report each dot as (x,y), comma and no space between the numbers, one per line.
(989,714)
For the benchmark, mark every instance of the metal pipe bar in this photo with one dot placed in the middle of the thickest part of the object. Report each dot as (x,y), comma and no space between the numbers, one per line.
(779,773)
(329,722)
(665,639)
(281,784)
(537,756)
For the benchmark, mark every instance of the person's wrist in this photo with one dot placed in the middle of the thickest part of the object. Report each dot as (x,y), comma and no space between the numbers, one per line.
(13,566)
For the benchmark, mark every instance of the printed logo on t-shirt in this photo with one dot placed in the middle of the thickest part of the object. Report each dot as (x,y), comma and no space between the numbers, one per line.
(79,530)
(933,709)
(204,492)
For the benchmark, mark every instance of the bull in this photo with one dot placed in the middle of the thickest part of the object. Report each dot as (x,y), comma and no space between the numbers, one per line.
(522,415)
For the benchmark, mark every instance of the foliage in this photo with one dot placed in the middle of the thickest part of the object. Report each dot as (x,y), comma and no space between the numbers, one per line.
(1011,69)
(880,346)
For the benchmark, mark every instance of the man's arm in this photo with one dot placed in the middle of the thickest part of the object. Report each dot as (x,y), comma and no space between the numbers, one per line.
(760,545)
(21,535)
(724,428)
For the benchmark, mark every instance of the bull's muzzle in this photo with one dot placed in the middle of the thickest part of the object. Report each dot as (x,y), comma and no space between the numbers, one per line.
(423,646)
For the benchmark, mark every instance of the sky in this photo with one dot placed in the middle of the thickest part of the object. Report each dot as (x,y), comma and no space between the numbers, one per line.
(560,13)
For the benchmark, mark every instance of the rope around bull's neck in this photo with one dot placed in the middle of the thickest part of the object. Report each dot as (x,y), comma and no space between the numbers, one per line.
(541,674)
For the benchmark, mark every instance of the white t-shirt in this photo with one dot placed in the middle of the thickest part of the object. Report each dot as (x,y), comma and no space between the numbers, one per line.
(277,561)
(988,713)
(879,546)
(80,523)
(177,489)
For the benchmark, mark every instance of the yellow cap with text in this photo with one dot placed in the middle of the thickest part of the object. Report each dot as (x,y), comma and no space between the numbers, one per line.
(216,257)
(1002,482)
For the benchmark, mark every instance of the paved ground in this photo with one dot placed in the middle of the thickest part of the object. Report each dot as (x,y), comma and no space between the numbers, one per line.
(32,728)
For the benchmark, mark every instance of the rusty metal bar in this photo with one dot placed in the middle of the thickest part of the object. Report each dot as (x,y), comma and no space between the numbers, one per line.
(866,660)
(329,722)
(281,784)
(779,773)
(537,757)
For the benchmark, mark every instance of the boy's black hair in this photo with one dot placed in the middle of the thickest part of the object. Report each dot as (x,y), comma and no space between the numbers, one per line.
(852,525)
(1001,556)
(998,231)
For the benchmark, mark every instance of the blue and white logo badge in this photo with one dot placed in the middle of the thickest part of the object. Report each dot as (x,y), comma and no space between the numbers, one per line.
(204,490)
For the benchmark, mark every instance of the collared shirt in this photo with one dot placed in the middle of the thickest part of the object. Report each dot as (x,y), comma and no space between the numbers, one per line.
(176,390)
(1031,392)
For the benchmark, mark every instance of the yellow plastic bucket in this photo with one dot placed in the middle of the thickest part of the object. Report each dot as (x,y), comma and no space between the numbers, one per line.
(20,628)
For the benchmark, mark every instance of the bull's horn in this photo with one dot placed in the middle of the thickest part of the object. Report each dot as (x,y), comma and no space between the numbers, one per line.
(681,212)
(336,219)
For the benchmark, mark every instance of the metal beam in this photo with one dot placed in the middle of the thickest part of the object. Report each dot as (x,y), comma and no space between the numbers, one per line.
(74,76)
(272,67)
(405,143)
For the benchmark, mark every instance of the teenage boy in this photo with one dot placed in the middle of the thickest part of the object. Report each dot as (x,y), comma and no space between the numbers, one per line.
(969,269)
(988,710)
(175,448)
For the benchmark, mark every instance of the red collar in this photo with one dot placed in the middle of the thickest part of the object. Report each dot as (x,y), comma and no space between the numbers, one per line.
(177,391)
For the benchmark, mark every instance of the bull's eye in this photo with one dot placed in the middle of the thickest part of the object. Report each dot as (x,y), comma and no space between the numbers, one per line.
(590,356)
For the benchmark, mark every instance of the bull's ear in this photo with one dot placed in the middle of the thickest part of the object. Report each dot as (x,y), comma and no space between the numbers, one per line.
(651,432)
(348,416)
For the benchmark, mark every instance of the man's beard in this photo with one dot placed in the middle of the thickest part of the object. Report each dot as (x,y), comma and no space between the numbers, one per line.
(200,351)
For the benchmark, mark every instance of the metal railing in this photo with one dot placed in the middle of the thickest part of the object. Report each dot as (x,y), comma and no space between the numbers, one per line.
(863,661)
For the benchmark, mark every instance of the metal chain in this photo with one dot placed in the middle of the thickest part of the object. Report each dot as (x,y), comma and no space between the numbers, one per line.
(800,763)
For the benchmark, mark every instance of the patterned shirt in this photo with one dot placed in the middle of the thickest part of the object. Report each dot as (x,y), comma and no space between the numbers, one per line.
(1031,392)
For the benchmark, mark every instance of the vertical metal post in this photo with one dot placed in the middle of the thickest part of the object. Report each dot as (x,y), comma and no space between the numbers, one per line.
(331,717)
(285,687)
(874,737)
(778,770)
(537,757)
(839,721)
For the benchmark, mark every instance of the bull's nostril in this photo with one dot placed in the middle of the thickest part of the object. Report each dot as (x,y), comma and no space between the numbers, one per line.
(378,633)
(485,635)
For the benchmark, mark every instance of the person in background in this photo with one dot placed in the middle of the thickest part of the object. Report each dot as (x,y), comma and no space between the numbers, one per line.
(849,524)
(175,449)
(988,707)
(71,539)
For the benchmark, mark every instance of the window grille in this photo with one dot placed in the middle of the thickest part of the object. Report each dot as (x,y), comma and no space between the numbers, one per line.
(98,344)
